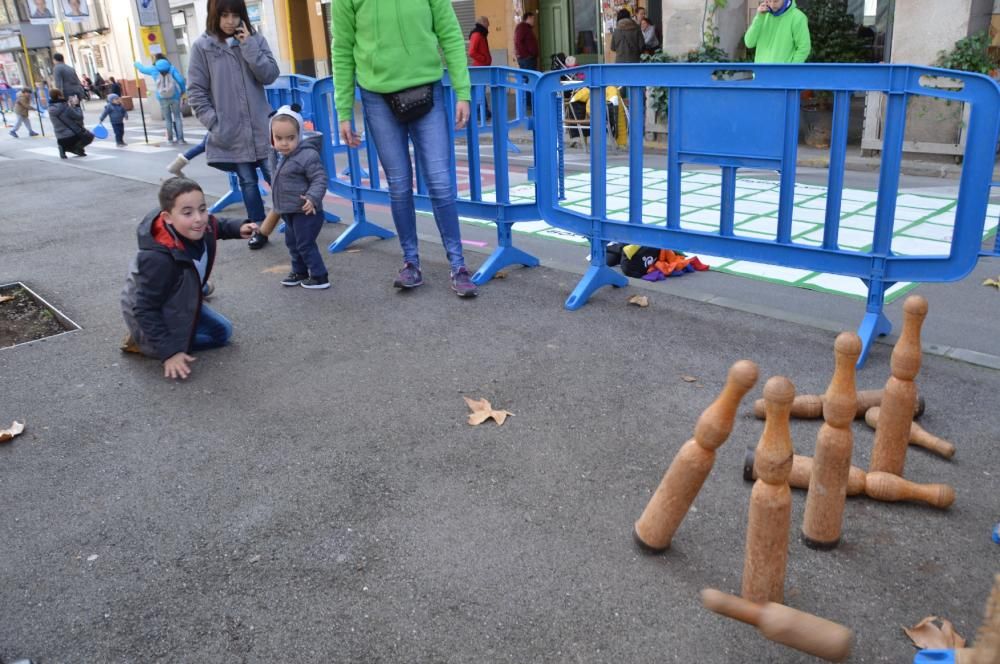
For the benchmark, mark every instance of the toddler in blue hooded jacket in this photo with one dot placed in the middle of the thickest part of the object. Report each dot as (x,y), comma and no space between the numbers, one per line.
(115,112)
(298,185)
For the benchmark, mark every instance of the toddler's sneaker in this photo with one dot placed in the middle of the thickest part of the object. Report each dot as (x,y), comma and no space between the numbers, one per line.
(13,133)
(409,277)
(294,279)
(462,284)
(316,283)
(177,165)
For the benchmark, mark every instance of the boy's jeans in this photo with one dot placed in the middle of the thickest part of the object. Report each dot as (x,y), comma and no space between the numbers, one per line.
(119,129)
(433,149)
(301,231)
(171,109)
(22,121)
(211,331)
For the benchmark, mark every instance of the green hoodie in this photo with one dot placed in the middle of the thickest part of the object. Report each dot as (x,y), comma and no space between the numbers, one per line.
(391,45)
(782,38)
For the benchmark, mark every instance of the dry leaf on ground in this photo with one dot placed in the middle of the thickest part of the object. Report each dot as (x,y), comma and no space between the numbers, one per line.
(688,379)
(482,411)
(6,298)
(352,251)
(989,282)
(15,430)
(500,275)
(925,634)
(277,269)
(639,300)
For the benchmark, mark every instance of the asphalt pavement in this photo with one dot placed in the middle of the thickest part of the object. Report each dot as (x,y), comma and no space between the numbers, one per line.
(313,492)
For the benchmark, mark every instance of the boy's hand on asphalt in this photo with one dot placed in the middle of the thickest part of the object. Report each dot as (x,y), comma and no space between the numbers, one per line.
(178,365)
(248,229)
(348,135)
(308,206)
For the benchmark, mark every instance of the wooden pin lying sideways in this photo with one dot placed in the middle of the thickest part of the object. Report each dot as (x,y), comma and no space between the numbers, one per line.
(810,406)
(782,624)
(918,436)
(880,486)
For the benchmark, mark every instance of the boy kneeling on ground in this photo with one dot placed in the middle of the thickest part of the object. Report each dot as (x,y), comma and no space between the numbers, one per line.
(162,301)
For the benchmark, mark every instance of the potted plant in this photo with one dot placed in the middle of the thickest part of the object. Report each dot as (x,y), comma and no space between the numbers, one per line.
(835,38)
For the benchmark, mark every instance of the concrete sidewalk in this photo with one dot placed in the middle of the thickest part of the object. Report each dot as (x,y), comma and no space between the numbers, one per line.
(314,494)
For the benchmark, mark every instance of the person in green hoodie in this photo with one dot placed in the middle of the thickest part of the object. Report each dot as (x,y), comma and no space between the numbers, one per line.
(779,32)
(390,49)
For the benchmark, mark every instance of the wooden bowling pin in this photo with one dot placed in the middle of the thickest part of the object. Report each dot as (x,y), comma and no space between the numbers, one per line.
(782,624)
(687,472)
(771,500)
(821,525)
(893,433)
(918,436)
(885,486)
(892,488)
(810,406)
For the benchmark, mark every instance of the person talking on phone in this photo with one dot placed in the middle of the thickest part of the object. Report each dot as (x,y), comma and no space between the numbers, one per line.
(779,32)
(229,66)
(391,50)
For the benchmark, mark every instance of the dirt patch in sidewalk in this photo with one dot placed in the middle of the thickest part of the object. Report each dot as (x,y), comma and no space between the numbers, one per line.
(23,318)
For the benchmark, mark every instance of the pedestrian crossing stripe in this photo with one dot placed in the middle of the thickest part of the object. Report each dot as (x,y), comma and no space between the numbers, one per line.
(54,153)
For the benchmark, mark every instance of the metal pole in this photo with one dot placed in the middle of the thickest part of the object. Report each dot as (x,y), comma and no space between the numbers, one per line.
(142,112)
(31,79)
(62,25)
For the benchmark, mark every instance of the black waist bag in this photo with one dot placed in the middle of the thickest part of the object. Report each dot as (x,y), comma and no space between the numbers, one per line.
(412,103)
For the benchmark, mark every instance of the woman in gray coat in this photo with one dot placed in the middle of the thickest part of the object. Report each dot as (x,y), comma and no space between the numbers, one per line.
(67,123)
(229,67)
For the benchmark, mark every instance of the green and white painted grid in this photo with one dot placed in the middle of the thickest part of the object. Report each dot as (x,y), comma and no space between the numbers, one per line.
(923,223)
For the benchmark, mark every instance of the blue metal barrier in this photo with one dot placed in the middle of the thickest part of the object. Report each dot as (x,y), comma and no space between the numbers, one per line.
(751,120)
(292,89)
(362,186)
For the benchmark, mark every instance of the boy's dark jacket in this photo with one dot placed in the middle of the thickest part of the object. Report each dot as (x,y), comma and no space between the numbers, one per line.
(116,112)
(300,173)
(162,295)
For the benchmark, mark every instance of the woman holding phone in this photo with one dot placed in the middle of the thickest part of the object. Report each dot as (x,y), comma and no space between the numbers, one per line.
(230,65)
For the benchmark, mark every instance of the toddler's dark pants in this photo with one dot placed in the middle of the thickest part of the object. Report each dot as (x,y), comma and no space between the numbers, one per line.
(301,231)
(119,129)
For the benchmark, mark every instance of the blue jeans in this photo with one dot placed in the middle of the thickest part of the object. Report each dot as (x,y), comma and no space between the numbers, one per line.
(301,231)
(171,109)
(119,129)
(196,150)
(247,173)
(211,331)
(432,146)
(22,121)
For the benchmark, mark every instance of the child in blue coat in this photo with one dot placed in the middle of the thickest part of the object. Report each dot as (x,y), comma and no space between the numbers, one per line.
(118,115)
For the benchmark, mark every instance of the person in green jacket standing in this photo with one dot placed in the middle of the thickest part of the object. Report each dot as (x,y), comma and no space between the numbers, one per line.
(779,32)
(390,49)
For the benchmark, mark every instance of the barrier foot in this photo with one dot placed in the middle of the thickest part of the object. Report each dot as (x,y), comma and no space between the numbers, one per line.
(331,218)
(596,277)
(358,230)
(501,258)
(232,197)
(511,147)
(873,325)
